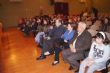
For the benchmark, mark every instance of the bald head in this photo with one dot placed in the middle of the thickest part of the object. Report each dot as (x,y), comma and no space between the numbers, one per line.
(81,27)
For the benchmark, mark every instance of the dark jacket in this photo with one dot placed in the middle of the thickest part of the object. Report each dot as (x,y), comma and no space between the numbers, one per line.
(83,41)
(57,32)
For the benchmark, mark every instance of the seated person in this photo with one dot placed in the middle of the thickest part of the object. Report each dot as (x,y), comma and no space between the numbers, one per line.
(80,43)
(105,25)
(21,24)
(98,55)
(43,35)
(34,25)
(38,36)
(56,33)
(63,41)
(26,28)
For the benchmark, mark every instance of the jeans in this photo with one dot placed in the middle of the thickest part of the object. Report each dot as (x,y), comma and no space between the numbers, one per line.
(57,51)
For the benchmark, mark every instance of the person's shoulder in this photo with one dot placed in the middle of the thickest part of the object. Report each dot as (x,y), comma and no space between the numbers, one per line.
(66,31)
(62,27)
(72,31)
(108,46)
(87,33)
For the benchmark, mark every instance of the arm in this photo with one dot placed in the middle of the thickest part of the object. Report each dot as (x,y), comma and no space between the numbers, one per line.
(90,56)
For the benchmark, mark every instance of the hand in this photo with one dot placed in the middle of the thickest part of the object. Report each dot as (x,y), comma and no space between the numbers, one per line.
(90,62)
(44,36)
(72,48)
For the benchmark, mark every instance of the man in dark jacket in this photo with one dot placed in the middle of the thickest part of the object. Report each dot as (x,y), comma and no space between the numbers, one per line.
(80,43)
(49,42)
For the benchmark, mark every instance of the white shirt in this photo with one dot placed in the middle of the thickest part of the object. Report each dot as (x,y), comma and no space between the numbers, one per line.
(99,53)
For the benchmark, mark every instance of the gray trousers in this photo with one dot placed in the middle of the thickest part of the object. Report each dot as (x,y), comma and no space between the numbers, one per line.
(72,58)
(92,68)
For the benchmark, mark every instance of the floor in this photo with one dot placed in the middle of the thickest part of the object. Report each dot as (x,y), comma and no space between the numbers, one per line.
(19,53)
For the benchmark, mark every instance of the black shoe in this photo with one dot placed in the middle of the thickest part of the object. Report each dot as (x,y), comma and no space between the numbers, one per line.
(39,46)
(70,68)
(53,64)
(41,58)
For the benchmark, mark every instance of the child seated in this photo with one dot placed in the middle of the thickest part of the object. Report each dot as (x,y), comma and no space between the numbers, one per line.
(98,55)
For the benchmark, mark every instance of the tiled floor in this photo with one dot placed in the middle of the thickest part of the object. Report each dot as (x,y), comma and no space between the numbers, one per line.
(19,53)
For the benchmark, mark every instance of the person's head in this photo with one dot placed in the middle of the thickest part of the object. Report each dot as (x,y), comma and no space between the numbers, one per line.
(106,20)
(58,23)
(51,26)
(71,26)
(101,38)
(33,19)
(45,22)
(81,27)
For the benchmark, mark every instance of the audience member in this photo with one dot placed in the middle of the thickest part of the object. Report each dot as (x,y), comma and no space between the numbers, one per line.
(98,55)
(48,43)
(78,46)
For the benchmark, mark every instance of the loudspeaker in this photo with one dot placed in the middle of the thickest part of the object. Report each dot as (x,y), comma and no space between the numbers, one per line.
(61,8)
